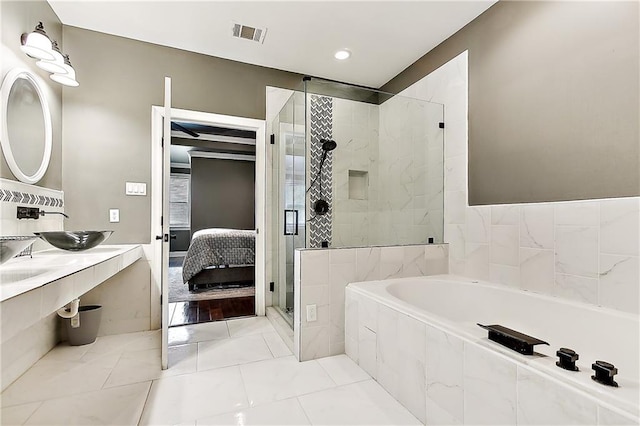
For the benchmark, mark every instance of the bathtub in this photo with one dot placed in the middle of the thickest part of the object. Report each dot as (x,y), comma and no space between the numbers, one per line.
(419,339)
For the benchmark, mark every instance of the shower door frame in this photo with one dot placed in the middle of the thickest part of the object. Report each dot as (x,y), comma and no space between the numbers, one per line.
(279,241)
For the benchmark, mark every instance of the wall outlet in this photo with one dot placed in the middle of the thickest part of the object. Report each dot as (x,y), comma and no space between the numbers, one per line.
(135,188)
(312,313)
(114,215)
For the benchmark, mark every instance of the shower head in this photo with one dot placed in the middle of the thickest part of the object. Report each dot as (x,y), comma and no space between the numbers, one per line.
(328,145)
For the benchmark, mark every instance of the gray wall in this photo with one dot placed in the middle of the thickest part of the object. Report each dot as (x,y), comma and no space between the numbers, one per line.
(181,241)
(553,100)
(222,194)
(17,17)
(107,120)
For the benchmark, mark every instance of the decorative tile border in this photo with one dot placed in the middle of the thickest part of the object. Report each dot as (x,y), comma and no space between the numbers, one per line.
(25,198)
(17,192)
(320,127)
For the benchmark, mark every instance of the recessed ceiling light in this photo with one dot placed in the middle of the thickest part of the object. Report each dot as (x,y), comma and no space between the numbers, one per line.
(342,54)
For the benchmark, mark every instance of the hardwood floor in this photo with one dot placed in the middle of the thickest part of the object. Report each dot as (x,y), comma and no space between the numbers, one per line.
(195,312)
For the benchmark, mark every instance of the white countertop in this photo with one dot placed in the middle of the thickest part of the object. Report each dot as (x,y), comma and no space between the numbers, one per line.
(22,274)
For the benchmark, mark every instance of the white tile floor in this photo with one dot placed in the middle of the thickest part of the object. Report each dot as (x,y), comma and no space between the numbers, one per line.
(237,372)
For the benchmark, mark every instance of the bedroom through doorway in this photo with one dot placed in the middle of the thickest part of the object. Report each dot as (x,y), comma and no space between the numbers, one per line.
(212,223)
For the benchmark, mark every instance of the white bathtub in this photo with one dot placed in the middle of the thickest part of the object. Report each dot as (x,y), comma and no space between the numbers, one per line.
(448,308)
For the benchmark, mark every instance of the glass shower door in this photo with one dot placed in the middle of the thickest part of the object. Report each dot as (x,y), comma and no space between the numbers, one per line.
(288,177)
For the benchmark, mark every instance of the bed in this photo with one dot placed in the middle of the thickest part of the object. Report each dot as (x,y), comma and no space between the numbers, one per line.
(219,256)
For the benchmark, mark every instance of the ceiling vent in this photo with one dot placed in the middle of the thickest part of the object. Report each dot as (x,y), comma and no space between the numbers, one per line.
(249,33)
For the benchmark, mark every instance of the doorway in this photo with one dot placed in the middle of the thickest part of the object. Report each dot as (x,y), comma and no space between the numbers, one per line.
(159,248)
(211,223)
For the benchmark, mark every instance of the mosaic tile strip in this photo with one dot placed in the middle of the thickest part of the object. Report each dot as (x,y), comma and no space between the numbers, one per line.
(26,198)
(320,127)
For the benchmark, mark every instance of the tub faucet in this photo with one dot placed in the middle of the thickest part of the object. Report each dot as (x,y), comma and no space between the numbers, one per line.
(604,372)
(42,213)
(567,359)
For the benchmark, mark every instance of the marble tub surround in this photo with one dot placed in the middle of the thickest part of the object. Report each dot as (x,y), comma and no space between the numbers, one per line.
(14,194)
(322,275)
(585,251)
(445,371)
(43,284)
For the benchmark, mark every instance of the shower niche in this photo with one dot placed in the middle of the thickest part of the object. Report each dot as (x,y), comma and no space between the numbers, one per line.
(358,185)
(352,167)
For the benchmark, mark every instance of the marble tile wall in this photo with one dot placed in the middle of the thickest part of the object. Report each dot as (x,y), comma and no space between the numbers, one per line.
(586,251)
(355,129)
(442,378)
(16,194)
(321,278)
(20,352)
(398,145)
(125,301)
(411,169)
(448,85)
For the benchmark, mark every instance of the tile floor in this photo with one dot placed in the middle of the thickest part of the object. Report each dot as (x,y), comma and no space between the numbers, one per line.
(221,373)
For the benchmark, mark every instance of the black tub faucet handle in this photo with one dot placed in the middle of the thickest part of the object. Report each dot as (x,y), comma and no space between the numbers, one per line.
(567,359)
(604,373)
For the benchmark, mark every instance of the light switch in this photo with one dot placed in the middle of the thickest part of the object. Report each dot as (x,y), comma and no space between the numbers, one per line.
(114,215)
(135,188)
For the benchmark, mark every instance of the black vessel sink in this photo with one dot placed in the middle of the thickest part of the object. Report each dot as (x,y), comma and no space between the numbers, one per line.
(74,240)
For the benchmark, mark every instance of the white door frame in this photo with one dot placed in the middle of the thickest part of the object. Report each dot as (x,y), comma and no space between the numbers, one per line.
(258,126)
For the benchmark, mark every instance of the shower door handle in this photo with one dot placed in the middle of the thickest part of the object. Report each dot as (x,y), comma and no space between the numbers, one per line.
(287,213)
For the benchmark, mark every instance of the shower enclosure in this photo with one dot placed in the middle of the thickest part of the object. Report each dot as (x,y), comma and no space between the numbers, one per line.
(381,183)
(288,177)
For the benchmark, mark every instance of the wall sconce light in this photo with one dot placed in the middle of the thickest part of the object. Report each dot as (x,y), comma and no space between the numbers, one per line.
(38,45)
(57,64)
(68,78)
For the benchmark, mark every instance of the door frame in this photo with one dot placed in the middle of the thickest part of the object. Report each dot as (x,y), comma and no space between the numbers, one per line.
(258,126)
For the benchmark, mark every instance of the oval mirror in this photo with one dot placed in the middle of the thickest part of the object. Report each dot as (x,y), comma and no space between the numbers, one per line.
(26,126)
